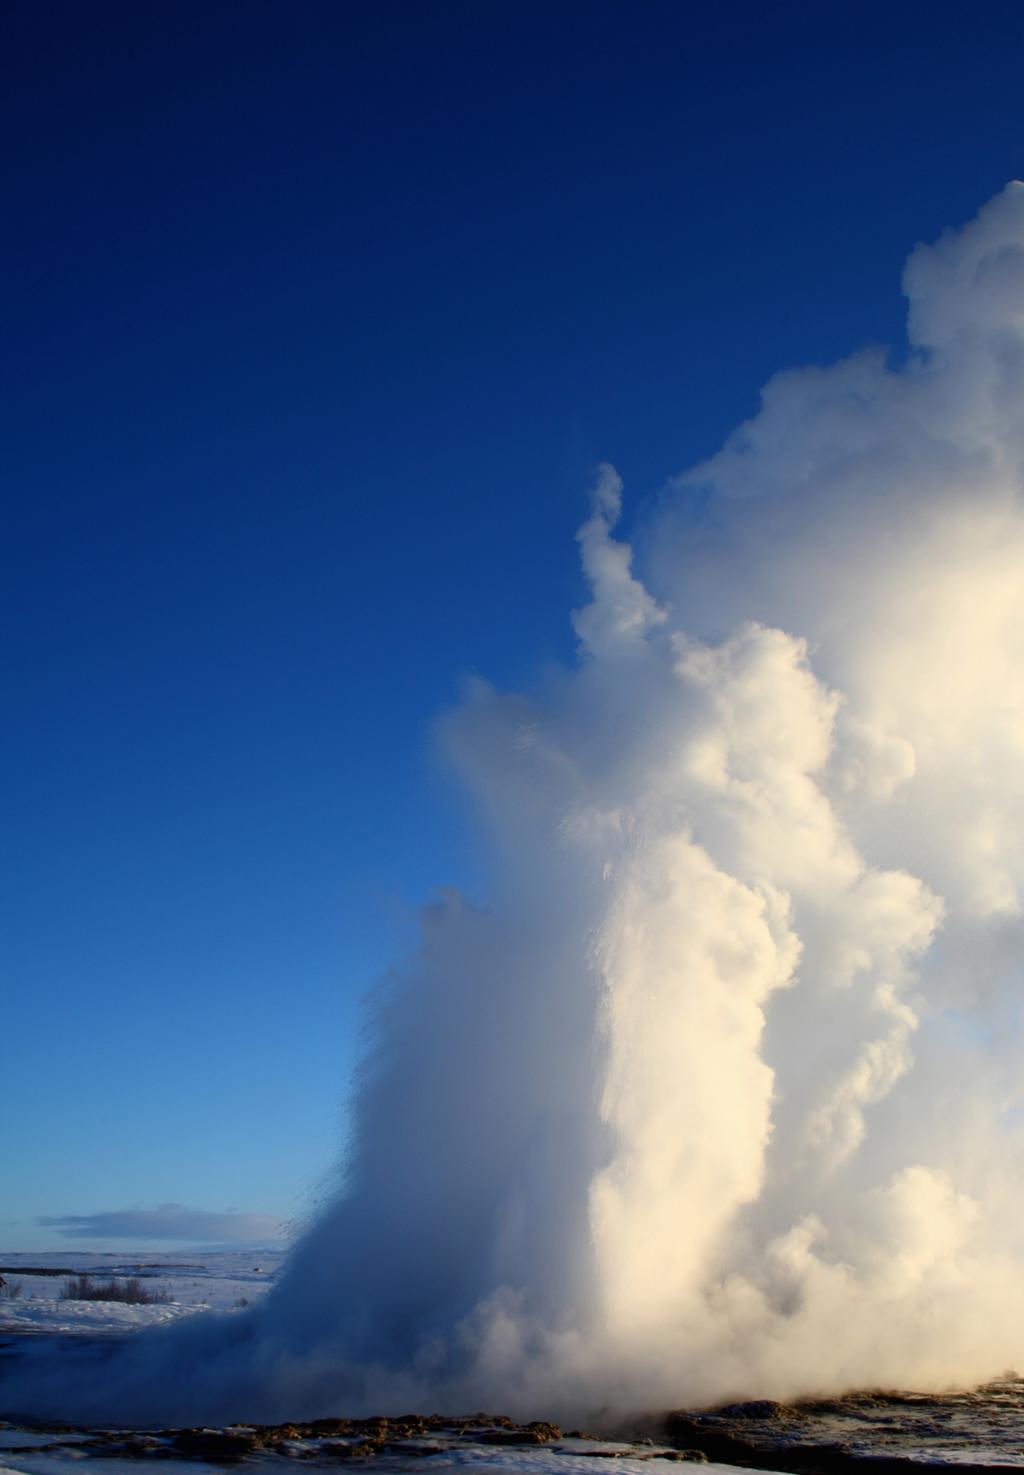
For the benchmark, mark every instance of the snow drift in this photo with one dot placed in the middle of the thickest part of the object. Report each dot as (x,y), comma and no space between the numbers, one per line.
(720,1096)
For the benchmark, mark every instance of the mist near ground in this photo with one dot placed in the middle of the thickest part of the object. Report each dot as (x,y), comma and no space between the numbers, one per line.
(719,1095)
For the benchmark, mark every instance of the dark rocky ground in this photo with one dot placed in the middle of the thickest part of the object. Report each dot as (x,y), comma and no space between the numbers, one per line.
(862,1434)
(410,1436)
(879,1433)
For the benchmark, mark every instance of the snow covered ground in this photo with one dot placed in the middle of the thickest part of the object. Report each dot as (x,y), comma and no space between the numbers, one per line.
(226,1280)
(221,1280)
(218,1280)
(467,1459)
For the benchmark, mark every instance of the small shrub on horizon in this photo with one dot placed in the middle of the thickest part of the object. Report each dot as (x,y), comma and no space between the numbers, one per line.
(130,1292)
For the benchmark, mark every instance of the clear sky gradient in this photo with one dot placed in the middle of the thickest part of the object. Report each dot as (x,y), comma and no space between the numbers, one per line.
(317,318)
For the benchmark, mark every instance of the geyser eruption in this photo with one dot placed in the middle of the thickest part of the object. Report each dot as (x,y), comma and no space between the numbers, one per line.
(720,1097)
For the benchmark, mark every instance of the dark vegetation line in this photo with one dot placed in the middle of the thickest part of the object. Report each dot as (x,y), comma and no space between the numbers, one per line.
(131,1291)
(33,1270)
(65,1270)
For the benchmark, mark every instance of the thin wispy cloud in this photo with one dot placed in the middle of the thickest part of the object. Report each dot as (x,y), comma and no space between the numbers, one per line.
(169,1221)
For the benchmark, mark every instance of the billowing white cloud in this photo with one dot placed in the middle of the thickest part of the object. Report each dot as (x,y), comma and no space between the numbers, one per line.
(720,1096)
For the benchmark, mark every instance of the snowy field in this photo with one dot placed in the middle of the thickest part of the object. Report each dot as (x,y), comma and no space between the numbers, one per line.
(218,1280)
(225,1280)
(467,1459)
(982,1428)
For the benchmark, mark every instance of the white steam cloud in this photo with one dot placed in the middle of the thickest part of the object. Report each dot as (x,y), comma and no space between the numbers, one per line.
(722,1097)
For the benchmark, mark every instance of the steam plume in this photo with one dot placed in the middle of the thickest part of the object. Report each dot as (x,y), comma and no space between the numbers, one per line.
(721,1097)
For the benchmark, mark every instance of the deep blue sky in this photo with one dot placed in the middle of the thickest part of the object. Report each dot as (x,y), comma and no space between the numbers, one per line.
(316,318)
